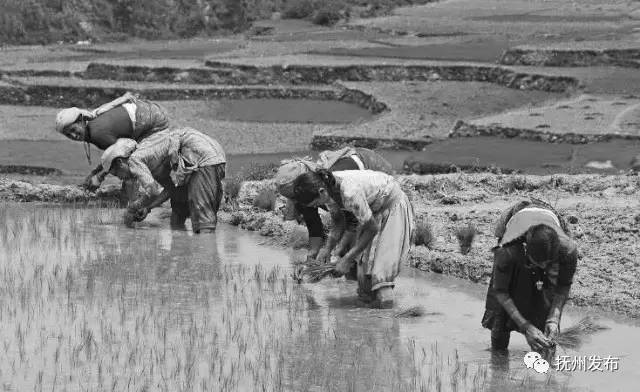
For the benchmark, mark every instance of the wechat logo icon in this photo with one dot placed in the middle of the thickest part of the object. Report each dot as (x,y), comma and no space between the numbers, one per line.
(533,360)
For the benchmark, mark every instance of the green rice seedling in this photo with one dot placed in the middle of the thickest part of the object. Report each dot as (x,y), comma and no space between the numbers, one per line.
(424,234)
(265,200)
(232,188)
(298,9)
(465,236)
(410,312)
(315,272)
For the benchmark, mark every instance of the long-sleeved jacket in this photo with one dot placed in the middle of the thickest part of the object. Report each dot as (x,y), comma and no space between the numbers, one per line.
(367,159)
(168,157)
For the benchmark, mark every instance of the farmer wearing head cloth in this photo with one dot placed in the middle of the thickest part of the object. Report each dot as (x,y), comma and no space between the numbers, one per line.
(534,265)
(348,158)
(124,117)
(384,224)
(183,165)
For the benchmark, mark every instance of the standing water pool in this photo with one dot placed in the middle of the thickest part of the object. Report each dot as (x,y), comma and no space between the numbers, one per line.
(88,304)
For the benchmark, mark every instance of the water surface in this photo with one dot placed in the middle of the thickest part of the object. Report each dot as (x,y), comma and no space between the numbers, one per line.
(88,304)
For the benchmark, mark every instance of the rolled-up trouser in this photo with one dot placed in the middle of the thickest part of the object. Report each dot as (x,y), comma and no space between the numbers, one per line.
(199,199)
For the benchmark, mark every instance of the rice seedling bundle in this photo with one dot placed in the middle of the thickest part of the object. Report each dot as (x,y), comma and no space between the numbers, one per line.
(413,311)
(574,336)
(315,272)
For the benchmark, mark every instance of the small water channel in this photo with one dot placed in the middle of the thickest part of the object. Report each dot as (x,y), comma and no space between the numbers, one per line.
(88,304)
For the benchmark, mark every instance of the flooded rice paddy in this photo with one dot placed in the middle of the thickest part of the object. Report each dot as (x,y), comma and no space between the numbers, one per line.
(288,111)
(88,304)
(528,156)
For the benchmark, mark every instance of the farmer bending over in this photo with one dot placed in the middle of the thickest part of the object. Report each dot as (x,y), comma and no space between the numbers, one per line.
(347,158)
(124,117)
(385,224)
(533,269)
(183,165)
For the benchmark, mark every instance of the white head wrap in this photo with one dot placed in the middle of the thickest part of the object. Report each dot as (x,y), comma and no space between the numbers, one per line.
(289,171)
(122,148)
(66,117)
(522,220)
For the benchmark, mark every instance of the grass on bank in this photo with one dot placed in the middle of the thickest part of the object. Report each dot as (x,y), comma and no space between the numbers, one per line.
(465,236)
(266,200)
(424,234)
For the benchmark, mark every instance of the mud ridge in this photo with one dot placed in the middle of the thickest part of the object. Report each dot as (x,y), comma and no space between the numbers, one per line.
(237,74)
(30,170)
(465,129)
(420,166)
(56,95)
(333,142)
(39,73)
(22,191)
(571,58)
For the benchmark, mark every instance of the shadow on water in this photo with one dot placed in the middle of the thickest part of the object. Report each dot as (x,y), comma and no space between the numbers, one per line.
(88,304)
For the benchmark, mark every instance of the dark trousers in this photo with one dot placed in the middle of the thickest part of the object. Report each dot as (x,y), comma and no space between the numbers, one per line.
(199,199)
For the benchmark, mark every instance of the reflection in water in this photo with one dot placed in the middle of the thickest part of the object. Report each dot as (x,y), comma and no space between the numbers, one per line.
(87,304)
(499,367)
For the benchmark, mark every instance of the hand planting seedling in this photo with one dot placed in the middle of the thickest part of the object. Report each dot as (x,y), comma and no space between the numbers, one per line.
(574,336)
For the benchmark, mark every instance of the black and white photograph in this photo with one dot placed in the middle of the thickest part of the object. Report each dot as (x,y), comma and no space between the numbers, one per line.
(319,195)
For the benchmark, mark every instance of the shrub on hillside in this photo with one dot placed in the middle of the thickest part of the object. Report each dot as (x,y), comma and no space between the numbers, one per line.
(298,9)
(47,21)
(327,17)
(320,12)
